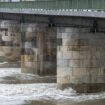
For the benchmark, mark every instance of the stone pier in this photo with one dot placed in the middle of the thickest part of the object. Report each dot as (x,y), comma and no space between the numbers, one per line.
(38,49)
(30,51)
(80,59)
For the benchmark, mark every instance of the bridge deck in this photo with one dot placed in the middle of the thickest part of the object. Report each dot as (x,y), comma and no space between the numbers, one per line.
(84,8)
(84,13)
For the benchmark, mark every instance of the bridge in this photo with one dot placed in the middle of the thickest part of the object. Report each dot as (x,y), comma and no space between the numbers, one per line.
(66,37)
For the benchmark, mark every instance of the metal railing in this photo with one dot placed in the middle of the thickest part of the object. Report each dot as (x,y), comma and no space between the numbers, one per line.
(56,4)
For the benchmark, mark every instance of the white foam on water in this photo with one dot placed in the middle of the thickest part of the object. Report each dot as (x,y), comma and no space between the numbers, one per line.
(3,63)
(9,71)
(16,94)
(16,72)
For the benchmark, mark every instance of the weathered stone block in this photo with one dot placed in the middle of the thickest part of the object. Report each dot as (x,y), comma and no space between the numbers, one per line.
(61,29)
(66,35)
(59,48)
(64,48)
(102,54)
(66,42)
(71,30)
(59,42)
(63,63)
(80,54)
(59,55)
(67,55)
(96,55)
(59,35)
(76,63)
(91,63)
(63,74)
(78,72)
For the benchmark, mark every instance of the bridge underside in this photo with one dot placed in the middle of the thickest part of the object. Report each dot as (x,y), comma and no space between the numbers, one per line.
(56,21)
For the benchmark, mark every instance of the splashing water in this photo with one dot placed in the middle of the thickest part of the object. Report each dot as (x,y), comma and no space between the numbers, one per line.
(16,94)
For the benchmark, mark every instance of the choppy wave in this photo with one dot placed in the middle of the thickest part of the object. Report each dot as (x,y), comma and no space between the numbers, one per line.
(16,94)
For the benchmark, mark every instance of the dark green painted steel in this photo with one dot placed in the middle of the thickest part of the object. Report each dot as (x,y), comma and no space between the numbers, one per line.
(56,4)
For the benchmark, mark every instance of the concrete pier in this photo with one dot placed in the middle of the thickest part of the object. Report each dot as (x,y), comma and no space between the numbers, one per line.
(38,56)
(80,59)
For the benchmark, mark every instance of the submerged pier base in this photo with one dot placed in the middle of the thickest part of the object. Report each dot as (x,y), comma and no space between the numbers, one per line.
(80,60)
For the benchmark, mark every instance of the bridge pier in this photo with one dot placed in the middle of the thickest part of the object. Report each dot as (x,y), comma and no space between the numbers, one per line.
(38,56)
(30,51)
(80,59)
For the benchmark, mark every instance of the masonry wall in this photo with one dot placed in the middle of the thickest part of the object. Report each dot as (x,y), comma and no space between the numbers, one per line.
(80,59)
(10,36)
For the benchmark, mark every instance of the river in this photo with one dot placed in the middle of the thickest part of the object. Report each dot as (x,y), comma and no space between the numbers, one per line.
(14,90)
